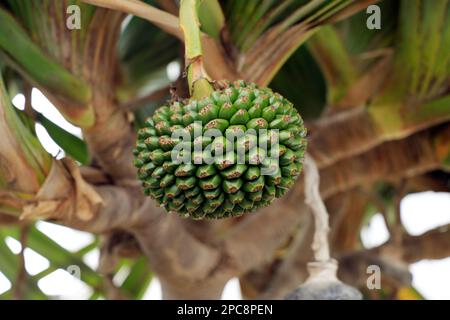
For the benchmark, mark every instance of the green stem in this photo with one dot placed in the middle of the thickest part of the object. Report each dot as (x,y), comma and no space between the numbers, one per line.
(211,17)
(198,79)
(329,51)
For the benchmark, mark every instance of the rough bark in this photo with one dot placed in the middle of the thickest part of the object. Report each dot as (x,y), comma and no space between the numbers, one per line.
(343,135)
(400,158)
(408,157)
(434,244)
(112,137)
(355,131)
(66,198)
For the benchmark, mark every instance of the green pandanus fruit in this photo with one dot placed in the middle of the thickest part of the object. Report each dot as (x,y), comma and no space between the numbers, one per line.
(224,155)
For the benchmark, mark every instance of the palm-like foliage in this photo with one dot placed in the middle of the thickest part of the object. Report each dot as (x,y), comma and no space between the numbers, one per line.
(376,102)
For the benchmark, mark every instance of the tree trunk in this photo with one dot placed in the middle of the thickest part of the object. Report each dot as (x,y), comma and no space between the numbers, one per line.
(207,291)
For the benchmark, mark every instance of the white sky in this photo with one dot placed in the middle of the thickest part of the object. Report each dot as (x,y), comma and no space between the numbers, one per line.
(420,212)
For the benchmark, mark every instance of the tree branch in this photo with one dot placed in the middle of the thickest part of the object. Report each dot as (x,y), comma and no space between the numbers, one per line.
(186,267)
(358,130)
(111,138)
(6,219)
(390,161)
(21,278)
(169,5)
(66,198)
(296,258)
(253,241)
(274,224)
(433,244)
(160,18)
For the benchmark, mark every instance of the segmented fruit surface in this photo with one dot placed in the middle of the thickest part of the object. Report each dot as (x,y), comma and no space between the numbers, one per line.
(256,159)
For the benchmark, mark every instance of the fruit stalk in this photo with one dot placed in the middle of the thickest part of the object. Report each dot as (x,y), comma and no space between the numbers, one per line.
(198,79)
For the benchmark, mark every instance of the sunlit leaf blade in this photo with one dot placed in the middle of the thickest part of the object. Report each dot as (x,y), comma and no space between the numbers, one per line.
(358,39)
(247,20)
(72,145)
(45,21)
(57,255)
(421,60)
(138,279)
(335,61)
(30,148)
(9,266)
(211,17)
(15,42)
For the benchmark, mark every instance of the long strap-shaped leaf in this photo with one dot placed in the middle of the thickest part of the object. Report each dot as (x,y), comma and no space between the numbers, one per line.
(334,60)
(72,145)
(25,163)
(57,255)
(9,266)
(29,59)
(138,279)
(212,20)
(422,61)
(277,44)
(45,22)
